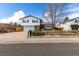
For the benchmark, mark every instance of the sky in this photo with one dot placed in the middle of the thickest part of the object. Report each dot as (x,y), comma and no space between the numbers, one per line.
(73,10)
(14,10)
(7,10)
(11,12)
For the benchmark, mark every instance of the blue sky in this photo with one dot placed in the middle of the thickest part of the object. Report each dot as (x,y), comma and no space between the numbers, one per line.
(73,10)
(7,11)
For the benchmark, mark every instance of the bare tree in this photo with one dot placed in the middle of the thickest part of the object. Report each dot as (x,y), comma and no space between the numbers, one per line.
(56,12)
(46,18)
(66,19)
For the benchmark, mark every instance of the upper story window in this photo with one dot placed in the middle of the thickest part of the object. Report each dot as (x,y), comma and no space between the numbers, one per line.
(25,21)
(34,21)
(76,21)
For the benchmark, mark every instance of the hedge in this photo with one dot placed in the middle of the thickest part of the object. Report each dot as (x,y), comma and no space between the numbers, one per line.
(38,33)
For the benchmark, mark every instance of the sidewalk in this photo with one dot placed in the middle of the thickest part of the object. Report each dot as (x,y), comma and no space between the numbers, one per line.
(53,40)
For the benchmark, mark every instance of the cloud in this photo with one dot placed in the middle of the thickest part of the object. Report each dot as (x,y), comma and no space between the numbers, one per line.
(74,15)
(75,9)
(46,14)
(14,18)
(47,19)
(72,11)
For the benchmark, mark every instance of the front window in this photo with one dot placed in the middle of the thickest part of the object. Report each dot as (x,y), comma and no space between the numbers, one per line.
(27,21)
(34,21)
(77,20)
(24,21)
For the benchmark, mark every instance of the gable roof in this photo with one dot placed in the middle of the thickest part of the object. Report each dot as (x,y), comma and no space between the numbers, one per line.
(29,16)
(74,18)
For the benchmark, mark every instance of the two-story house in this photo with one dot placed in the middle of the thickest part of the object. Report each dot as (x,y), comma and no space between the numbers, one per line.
(30,23)
(67,26)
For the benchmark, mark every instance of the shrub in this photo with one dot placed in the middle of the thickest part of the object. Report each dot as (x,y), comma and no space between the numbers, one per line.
(38,33)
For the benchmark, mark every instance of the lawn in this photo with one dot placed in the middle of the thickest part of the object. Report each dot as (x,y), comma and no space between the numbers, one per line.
(57,32)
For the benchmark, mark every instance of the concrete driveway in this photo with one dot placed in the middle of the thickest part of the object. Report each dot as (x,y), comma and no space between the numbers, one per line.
(21,37)
(14,37)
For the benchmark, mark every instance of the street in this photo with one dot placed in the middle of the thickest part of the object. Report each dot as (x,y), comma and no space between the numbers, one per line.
(40,49)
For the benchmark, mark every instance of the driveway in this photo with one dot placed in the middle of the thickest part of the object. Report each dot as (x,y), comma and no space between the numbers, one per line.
(14,37)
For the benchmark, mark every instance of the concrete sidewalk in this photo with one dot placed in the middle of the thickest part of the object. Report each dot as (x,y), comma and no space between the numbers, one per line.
(21,37)
(53,40)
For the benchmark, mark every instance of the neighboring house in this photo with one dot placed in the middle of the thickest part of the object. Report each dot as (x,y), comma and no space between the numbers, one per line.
(67,25)
(30,23)
(59,26)
(46,26)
